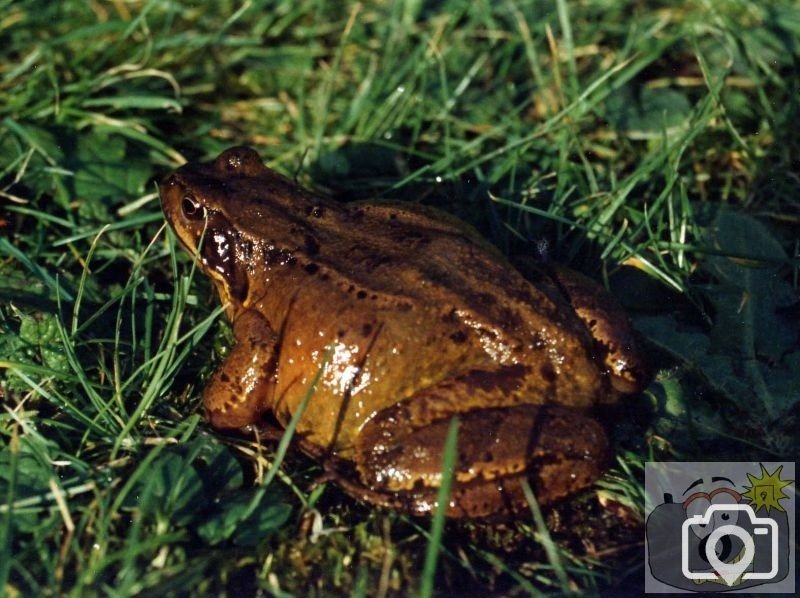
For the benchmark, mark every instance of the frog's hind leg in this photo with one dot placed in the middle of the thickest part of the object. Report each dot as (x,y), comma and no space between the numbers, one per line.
(558,450)
(238,393)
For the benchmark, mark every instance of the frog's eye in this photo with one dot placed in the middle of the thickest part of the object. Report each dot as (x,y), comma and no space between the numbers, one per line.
(192,208)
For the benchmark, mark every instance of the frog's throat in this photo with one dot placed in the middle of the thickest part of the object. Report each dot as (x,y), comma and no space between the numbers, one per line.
(186,240)
(228,302)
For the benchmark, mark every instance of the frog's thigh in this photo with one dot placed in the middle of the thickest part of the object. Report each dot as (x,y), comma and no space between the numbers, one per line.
(558,450)
(238,391)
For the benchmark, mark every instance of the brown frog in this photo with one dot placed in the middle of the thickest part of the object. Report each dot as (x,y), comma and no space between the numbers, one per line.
(411,318)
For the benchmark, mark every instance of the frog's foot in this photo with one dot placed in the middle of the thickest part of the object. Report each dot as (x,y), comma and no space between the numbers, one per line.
(265,431)
(558,450)
(341,473)
(236,396)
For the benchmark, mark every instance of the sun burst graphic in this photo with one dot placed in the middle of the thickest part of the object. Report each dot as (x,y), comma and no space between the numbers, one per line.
(767,491)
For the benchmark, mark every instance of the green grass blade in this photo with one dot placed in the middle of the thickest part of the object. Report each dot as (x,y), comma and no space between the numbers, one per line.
(442,500)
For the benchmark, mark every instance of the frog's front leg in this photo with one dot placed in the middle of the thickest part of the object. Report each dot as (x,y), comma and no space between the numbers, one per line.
(399,454)
(238,393)
(607,322)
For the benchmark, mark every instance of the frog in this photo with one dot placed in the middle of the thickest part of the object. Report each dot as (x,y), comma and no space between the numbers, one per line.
(379,324)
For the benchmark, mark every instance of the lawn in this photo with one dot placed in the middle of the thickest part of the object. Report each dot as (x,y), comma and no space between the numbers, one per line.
(651,145)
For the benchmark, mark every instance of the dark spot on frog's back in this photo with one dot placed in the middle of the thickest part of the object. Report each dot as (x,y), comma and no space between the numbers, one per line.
(311,268)
(315,211)
(486,298)
(459,337)
(311,245)
(372,262)
(505,380)
(409,238)
(366,330)
(548,372)
(450,316)
(510,318)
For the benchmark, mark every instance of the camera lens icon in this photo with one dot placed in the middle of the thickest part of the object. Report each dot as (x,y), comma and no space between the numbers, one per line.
(729,569)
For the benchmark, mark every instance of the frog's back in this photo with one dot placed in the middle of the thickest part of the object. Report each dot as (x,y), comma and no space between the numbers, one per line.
(407,257)
(428,300)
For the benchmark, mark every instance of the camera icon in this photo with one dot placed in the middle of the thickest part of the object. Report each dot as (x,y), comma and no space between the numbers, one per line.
(755,535)
(721,534)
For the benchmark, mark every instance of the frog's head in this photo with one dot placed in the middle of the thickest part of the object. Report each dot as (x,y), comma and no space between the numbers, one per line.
(204,205)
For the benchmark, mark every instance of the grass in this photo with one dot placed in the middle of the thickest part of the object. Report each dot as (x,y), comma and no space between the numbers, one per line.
(650,145)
